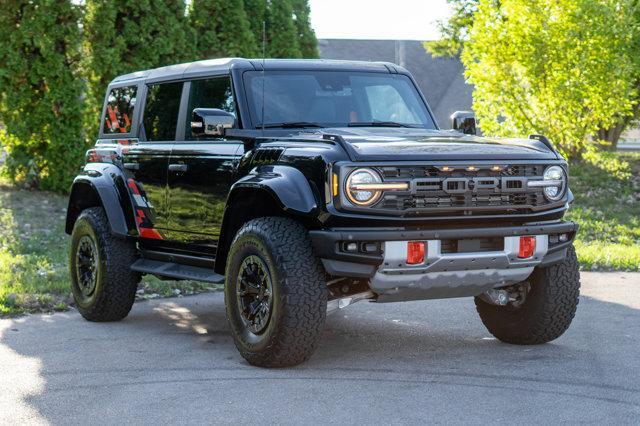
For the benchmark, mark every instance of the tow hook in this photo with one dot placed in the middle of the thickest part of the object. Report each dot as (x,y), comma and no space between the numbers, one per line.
(514,295)
(496,296)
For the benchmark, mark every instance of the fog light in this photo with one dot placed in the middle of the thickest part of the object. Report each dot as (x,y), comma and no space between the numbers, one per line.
(527,247)
(415,252)
(370,247)
(563,237)
(351,247)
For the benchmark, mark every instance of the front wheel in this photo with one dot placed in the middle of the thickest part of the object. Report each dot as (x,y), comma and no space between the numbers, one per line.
(275,293)
(546,309)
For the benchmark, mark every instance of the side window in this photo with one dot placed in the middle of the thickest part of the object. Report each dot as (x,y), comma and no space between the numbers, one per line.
(161,112)
(210,93)
(119,113)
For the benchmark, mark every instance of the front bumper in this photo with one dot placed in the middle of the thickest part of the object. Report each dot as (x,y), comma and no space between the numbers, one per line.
(442,274)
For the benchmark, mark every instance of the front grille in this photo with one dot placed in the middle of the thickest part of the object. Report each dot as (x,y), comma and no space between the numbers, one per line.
(479,191)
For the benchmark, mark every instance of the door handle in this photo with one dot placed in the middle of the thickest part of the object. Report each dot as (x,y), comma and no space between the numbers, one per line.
(178,167)
(131,166)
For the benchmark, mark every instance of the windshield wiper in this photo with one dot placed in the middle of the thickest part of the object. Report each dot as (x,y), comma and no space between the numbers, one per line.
(380,124)
(288,125)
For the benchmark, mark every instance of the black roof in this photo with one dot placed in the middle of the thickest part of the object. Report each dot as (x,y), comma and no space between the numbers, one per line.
(212,66)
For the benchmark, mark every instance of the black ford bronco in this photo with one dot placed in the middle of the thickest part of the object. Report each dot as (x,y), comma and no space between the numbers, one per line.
(307,185)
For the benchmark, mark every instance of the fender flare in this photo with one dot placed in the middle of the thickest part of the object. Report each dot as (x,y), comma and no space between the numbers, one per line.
(287,185)
(287,188)
(102,185)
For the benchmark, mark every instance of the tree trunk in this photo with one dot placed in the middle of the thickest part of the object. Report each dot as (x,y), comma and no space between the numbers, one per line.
(612,134)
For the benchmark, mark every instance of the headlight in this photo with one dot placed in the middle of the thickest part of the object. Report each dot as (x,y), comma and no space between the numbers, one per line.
(360,187)
(554,174)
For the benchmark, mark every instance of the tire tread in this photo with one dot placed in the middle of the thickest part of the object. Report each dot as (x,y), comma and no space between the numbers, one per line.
(548,315)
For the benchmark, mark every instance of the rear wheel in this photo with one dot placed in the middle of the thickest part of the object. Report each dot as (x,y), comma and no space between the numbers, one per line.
(545,309)
(275,293)
(102,283)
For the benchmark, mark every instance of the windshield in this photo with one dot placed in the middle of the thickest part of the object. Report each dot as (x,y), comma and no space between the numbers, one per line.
(334,99)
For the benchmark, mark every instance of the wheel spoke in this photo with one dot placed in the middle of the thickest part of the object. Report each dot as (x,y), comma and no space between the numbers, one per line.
(254,293)
(254,308)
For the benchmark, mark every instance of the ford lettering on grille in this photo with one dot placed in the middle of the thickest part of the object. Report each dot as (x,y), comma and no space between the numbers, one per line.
(455,185)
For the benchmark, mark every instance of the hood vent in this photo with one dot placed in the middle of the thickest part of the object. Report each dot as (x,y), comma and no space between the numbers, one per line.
(267,155)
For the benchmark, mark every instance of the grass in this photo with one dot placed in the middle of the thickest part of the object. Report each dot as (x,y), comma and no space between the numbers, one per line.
(33,245)
(606,186)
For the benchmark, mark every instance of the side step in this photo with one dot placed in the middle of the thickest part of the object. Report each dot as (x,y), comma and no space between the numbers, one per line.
(175,270)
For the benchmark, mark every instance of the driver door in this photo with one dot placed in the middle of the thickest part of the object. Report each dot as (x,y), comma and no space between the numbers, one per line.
(201,169)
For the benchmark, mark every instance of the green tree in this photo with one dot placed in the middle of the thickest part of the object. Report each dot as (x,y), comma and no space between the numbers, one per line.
(454,31)
(123,36)
(557,67)
(41,90)
(222,29)
(282,34)
(306,36)
(610,131)
(256,14)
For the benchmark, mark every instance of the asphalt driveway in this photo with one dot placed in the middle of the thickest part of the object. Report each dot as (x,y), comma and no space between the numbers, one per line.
(173,361)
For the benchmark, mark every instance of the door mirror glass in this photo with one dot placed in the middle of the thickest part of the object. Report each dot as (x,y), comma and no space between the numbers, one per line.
(464,122)
(211,122)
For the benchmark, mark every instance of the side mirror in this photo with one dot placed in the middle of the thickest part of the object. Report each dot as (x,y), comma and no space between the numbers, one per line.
(464,122)
(211,122)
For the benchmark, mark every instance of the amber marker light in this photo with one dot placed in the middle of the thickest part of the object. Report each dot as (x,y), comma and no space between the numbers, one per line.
(472,169)
(335,185)
(447,169)
(496,168)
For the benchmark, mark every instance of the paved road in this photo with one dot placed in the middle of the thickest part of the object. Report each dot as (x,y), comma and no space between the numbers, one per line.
(173,361)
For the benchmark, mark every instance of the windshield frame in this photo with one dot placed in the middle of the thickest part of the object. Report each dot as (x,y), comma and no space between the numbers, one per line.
(254,122)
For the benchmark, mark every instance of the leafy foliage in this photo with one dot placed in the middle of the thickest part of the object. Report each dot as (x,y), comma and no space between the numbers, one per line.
(306,36)
(41,91)
(557,67)
(58,56)
(282,34)
(222,29)
(256,14)
(286,37)
(455,31)
(123,36)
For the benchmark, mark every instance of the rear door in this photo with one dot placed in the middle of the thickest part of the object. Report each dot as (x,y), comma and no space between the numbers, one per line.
(146,161)
(202,169)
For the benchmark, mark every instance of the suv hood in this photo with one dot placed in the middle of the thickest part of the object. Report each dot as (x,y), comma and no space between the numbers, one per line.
(384,144)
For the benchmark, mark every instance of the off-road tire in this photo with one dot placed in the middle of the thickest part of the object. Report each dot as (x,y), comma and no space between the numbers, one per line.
(116,283)
(299,293)
(547,311)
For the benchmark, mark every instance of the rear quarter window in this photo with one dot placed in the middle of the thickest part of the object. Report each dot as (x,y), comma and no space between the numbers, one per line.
(119,113)
(161,112)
